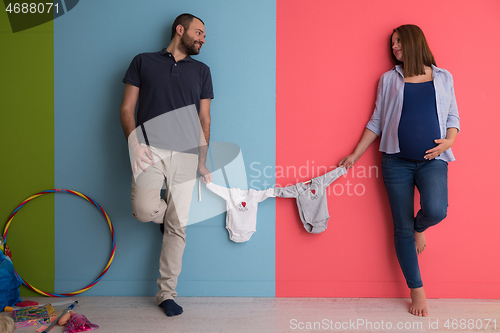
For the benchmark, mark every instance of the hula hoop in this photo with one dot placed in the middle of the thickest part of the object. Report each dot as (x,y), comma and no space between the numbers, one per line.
(11,217)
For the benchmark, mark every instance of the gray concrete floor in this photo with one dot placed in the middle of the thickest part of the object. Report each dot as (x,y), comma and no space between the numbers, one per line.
(250,314)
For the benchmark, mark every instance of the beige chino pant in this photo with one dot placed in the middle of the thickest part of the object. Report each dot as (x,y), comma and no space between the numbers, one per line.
(178,171)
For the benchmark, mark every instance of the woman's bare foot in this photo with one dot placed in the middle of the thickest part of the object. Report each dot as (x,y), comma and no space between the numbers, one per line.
(418,305)
(420,243)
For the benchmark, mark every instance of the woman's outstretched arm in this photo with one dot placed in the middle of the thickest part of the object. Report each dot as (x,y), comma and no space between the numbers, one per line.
(366,140)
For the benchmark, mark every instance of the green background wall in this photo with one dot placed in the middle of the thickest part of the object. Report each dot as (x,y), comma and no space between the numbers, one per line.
(27,140)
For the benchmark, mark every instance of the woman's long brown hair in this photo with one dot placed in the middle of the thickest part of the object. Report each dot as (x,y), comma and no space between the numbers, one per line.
(416,51)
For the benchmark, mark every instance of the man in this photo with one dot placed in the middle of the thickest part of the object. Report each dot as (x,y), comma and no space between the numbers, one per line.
(169,141)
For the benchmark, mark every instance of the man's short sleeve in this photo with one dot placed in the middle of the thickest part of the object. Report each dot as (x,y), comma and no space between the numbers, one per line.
(132,75)
(207,90)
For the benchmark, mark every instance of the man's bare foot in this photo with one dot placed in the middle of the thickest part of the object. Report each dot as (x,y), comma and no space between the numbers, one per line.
(418,305)
(420,243)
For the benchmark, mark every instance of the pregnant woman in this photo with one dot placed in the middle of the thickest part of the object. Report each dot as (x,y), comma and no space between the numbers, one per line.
(417,119)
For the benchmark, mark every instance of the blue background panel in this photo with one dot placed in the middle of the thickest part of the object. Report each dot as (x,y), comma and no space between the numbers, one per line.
(94,44)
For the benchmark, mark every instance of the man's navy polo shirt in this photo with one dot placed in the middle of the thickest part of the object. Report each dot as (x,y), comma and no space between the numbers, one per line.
(166,85)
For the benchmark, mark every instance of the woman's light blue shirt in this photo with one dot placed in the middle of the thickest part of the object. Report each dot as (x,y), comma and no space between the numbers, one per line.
(387,114)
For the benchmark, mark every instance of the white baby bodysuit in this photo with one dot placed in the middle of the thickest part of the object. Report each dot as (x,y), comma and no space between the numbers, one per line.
(241,218)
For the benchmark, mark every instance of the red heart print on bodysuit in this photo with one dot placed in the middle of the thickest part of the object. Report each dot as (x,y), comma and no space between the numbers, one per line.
(244,204)
(313,192)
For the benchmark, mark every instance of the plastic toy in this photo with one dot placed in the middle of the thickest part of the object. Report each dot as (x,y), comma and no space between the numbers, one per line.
(111,228)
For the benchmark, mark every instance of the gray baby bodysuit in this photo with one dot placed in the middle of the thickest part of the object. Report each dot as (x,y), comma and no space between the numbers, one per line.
(311,199)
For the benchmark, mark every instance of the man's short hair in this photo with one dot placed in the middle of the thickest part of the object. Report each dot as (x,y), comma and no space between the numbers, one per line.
(184,20)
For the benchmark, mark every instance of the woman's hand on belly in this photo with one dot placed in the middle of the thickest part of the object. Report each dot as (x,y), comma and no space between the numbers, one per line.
(442,144)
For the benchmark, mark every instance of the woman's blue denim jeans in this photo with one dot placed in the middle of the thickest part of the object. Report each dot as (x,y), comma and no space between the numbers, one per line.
(400,179)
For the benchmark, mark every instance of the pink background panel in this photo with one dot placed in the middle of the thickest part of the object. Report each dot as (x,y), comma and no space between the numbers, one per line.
(330,56)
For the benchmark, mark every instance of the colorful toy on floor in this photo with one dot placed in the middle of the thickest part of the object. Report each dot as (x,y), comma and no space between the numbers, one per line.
(111,228)
(34,315)
(69,308)
(79,323)
(26,303)
(63,320)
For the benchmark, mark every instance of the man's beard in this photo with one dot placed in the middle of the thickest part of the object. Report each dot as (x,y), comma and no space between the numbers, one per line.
(188,45)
